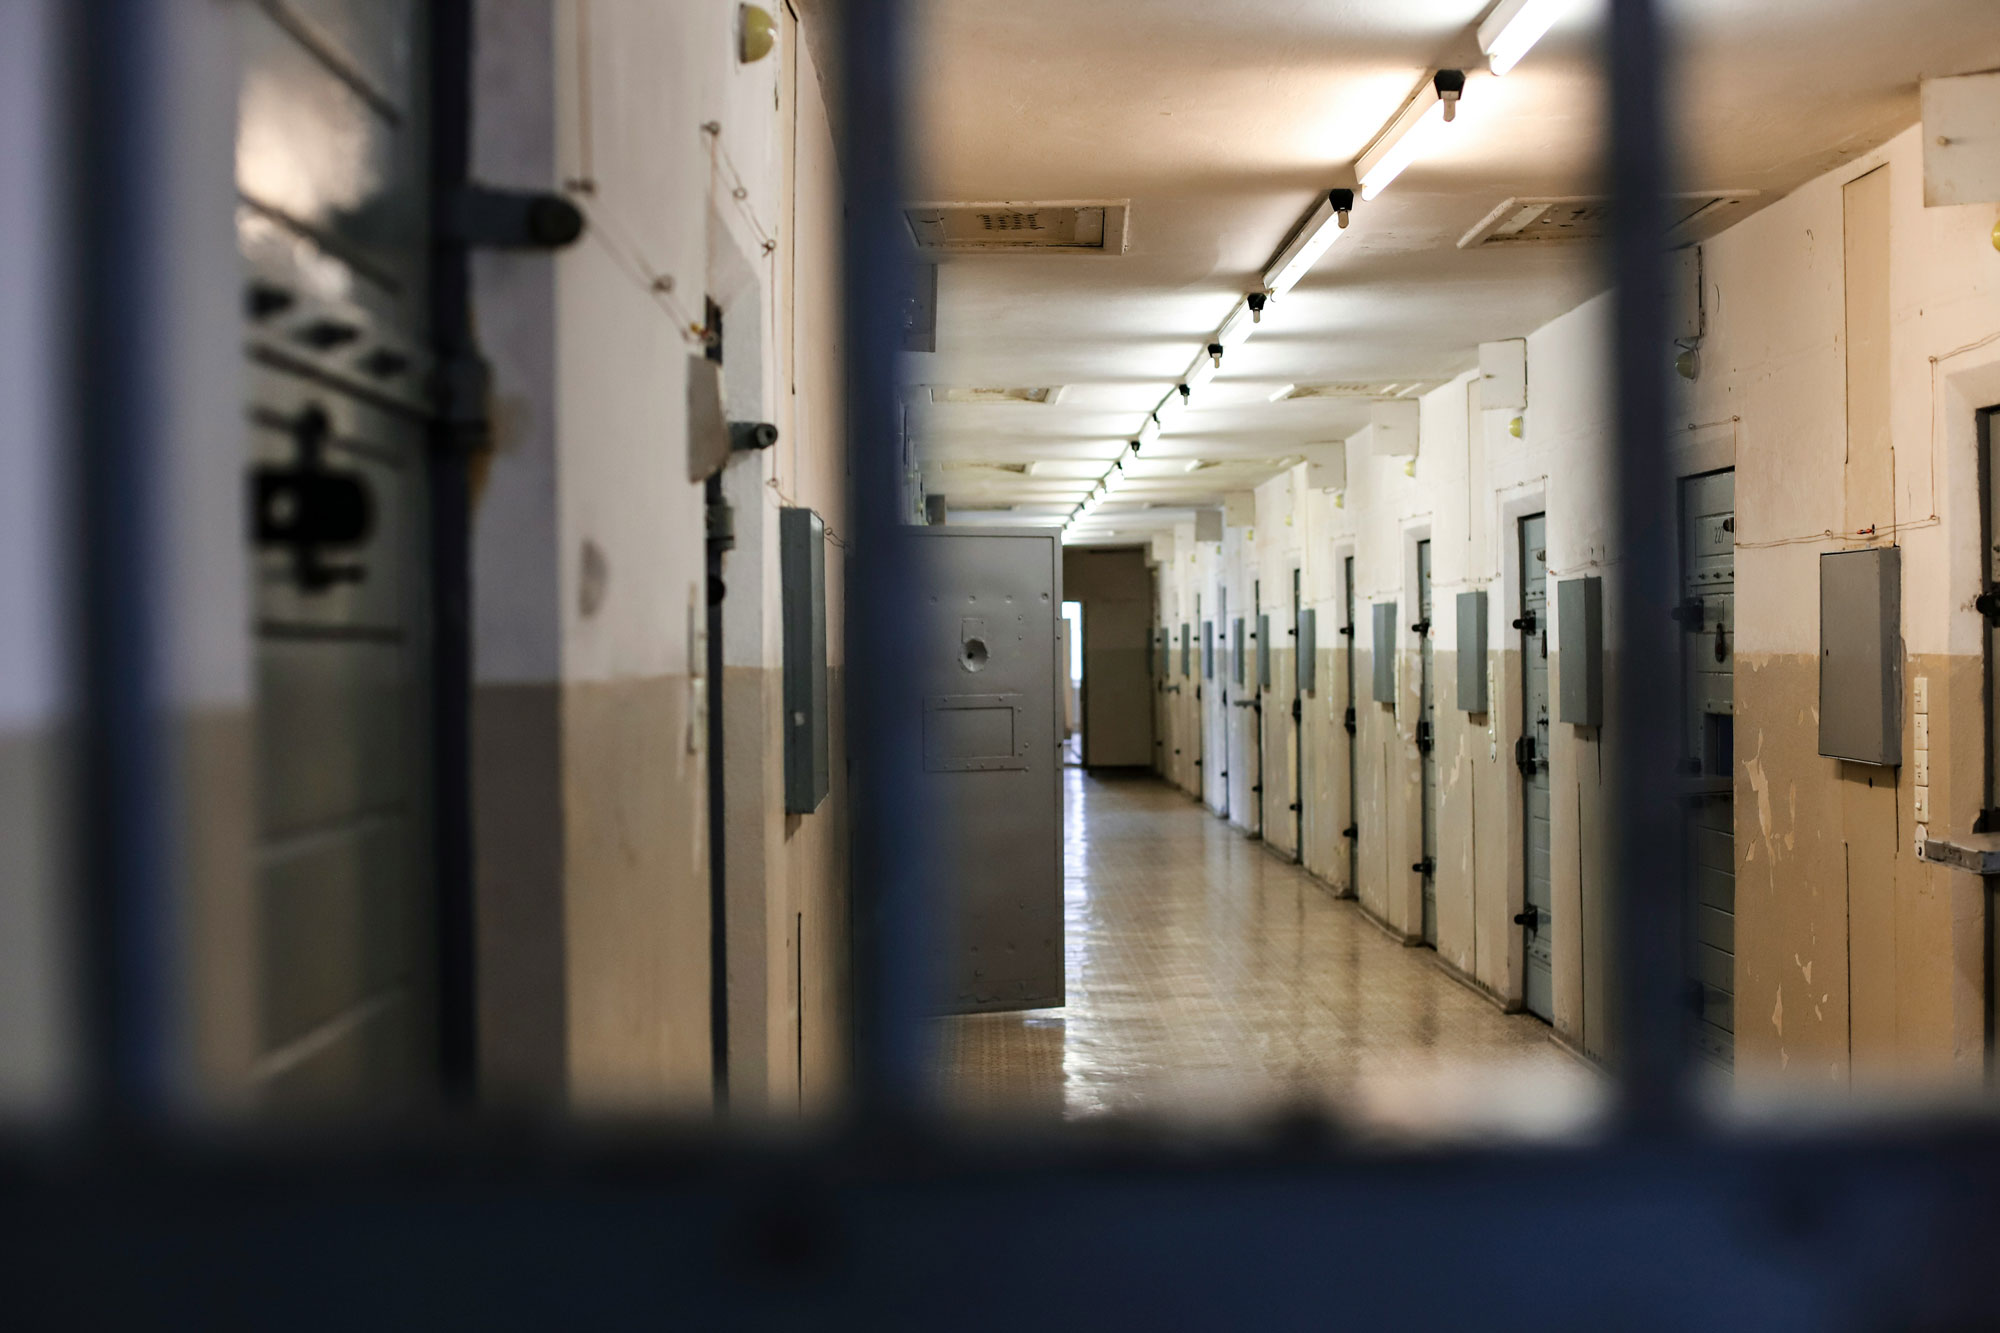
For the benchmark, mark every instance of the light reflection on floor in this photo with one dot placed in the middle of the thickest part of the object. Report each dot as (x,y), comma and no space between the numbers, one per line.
(1209,980)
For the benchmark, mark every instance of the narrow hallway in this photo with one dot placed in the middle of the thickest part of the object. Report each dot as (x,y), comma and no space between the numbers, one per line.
(1209,979)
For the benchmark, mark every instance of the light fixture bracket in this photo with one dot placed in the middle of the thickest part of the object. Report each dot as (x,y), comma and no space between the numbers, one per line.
(1450,85)
(1343,205)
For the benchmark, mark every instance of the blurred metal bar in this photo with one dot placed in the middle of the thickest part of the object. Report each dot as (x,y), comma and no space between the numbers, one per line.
(118,54)
(461,429)
(1646,898)
(892,915)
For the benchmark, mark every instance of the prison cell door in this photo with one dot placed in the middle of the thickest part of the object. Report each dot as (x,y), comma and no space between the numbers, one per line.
(1531,756)
(1707,616)
(333,227)
(1426,865)
(1351,834)
(1296,732)
(988,667)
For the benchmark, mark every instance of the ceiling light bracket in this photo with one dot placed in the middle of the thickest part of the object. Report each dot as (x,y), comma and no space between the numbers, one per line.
(1450,85)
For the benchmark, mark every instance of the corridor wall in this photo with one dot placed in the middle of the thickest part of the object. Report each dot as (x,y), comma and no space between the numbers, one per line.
(590,739)
(1825,856)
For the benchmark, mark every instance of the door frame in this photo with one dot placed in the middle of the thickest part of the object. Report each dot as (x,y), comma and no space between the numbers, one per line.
(1409,696)
(1347,564)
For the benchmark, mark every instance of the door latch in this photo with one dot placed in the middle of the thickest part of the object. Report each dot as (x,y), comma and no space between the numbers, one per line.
(1426,741)
(1721,644)
(1298,710)
(1525,622)
(309,507)
(1425,867)
(1421,629)
(1351,832)
(1528,916)
(1524,756)
(1692,615)
(1349,723)
(1988,604)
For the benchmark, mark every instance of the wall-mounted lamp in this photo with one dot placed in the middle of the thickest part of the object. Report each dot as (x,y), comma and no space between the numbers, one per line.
(1319,231)
(756,33)
(1996,236)
(1410,132)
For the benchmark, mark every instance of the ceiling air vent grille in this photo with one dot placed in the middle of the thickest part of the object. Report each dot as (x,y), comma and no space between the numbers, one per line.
(1047,395)
(1529,220)
(1359,389)
(1094,227)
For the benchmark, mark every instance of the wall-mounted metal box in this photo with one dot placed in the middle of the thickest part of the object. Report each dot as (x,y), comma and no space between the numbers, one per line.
(1308,650)
(802,571)
(1861,655)
(1384,649)
(1580,643)
(1208,650)
(1264,652)
(1237,644)
(1472,651)
(1187,651)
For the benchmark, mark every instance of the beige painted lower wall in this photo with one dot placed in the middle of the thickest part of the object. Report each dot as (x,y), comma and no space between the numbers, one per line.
(635,910)
(1855,961)
(214,754)
(35,1019)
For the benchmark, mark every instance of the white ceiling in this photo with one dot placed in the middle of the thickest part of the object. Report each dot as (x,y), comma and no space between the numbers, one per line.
(1221,120)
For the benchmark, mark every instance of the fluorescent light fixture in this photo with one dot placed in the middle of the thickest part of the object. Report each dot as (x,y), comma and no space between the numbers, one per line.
(1311,241)
(1515,26)
(1410,134)
(1282,392)
(1237,328)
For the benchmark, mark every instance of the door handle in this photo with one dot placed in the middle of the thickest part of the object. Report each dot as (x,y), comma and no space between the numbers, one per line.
(1721,645)
(1529,917)
(1425,867)
(1525,622)
(307,507)
(1421,628)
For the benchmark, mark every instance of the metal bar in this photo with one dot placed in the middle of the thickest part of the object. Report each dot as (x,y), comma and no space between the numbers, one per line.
(893,995)
(461,429)
(1647,896)
(714,545)
(118,58)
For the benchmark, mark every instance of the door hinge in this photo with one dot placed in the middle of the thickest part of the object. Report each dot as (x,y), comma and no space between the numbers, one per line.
(1298,711)
(721,526)
(1349,723)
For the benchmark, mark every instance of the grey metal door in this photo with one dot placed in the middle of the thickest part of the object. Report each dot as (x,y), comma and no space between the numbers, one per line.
(1531,756)
(1708,619)
(332,224)
(987,682)
(1301,671)
(1426,866)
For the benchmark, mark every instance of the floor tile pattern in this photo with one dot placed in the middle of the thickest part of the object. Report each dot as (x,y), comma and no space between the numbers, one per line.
(1209,980)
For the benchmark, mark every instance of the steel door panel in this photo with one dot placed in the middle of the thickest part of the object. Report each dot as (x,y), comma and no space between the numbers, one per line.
(991,734)
(1538,982)
(365,1062)
(334,734)
(338,923)
(1708,555)
(1427,752)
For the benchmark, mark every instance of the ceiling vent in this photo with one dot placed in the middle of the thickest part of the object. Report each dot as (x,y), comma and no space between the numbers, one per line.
(1047,395)
(1084,227)
(1011,469)
(1359,389)
(1556,220)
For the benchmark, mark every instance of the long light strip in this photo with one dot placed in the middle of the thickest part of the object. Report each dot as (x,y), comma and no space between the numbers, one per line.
(1398,146)
(1514,27)
(1311,241)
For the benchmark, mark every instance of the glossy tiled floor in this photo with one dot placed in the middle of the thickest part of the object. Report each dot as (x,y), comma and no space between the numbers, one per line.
(1208,979)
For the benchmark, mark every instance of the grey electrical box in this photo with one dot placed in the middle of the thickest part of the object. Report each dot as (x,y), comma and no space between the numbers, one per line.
(1264,652)
(1208,650)
(1187,652)
(1385,653)
(1238,659)
(1472,651)
(802,571)
(1580,642)
(1861,655)
(1308,650)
